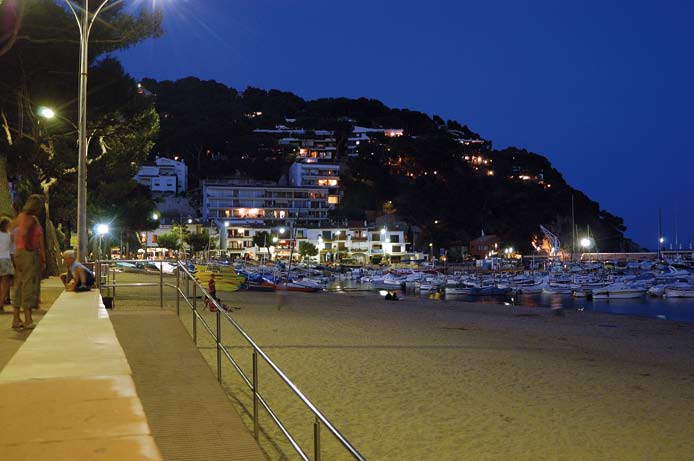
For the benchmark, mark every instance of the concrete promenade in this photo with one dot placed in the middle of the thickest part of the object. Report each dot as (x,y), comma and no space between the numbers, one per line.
(147,390)
(67,393)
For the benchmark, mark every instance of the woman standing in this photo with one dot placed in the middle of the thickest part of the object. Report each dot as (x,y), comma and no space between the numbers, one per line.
(30,259)
(6,265)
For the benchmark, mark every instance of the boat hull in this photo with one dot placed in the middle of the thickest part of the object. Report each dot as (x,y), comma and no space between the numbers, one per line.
(677,293)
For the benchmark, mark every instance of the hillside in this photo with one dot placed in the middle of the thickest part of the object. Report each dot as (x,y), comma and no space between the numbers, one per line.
(440,176)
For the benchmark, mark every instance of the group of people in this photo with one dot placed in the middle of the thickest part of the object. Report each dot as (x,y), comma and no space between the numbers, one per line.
(23,261)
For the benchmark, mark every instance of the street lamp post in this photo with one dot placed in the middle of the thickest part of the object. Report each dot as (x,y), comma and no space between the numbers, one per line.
(85,21)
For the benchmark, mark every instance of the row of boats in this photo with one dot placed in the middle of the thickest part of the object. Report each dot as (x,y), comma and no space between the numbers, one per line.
(667,282)
(579,281)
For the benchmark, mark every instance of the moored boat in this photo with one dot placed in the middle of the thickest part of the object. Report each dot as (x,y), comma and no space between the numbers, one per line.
(679,291)
(619,291)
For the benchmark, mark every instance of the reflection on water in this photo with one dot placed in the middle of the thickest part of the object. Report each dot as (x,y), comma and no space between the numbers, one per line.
(678,309)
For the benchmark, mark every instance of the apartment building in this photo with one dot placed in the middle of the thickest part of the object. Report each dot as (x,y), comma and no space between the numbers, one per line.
(357,244)
(237,203)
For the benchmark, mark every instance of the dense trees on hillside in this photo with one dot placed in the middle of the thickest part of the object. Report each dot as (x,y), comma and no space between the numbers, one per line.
(441,177)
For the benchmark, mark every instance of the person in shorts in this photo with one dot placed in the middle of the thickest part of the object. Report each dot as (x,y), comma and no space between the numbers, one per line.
(6,264)
(29,259)
(78,276)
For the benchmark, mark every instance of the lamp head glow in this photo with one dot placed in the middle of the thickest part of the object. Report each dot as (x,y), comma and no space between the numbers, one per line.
(274,239)
(662,240)
(226,223)
(383,231)
(46,112)
(282,229)
(155,216)
(102,229)
(585,242)
(190,221)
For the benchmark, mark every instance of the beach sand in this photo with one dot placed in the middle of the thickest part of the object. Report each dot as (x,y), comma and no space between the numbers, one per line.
(433,380)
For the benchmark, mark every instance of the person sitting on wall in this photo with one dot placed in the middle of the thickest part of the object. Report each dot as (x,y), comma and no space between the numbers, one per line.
(78,277)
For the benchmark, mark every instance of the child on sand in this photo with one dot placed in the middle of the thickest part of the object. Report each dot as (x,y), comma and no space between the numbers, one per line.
(212,287)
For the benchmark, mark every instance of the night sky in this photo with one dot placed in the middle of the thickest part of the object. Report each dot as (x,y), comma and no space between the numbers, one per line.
(602,88)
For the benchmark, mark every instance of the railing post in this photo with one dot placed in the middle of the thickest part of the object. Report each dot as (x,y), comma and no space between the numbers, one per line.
(256,427)
(195,314)
(219,347)
(97,271)
(161,285)
(316,439)
(113,289)
(178,288)
(187,287)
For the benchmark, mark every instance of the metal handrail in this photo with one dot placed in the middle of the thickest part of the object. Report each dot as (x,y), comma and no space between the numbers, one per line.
(252,382)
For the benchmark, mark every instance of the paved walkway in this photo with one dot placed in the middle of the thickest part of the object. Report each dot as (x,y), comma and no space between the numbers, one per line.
(71,384)
(11,340)
(189,414)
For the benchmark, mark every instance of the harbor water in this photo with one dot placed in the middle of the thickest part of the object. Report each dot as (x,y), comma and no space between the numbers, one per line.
(675,309)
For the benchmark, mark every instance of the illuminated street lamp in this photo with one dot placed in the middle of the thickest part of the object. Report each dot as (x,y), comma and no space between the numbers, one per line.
(586,243)
(661,240)
(101,230)
(282,229)
(46,112)
(155,217)
(383,231)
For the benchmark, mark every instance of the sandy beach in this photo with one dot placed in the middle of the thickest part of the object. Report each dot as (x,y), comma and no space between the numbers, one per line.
(427,380)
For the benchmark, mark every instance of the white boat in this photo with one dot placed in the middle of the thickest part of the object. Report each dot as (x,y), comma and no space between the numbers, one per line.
(586,289)
(528,286)
(679,290)
(559,288)
(619,291)
(657,290)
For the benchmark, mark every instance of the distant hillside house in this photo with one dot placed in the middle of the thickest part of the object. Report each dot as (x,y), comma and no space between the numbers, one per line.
(481,246)
(361,134)
(311,145)
(164,175)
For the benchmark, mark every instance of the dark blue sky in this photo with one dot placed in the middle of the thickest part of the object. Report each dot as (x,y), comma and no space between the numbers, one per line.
(602,88)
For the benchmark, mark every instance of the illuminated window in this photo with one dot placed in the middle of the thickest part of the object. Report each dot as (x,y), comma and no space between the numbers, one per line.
(332,199)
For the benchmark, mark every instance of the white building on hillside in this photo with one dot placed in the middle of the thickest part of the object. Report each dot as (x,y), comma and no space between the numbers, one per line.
(164,175)
(314,174)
